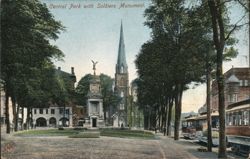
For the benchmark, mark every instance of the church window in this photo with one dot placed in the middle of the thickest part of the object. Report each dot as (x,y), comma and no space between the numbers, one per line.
(47,111)
(34,111)
(122,69)
(122,82)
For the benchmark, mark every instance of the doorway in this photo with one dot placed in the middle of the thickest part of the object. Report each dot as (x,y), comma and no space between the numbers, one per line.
(93,122)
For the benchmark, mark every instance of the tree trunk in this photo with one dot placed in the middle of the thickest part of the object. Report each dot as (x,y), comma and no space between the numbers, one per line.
(178,111)
(28,119)
(22,118)
(31,118)
(222,134)
(7,115)
(17,117)
(209,129)
(14,111)
(169,119)
(219,42)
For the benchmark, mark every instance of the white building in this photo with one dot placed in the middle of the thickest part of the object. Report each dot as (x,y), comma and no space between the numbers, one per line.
(52,116)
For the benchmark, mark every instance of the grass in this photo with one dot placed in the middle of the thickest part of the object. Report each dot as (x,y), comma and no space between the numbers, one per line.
(85,134)
(127,133)
(49,132)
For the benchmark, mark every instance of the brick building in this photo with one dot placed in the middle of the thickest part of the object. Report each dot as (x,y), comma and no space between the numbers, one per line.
(237,87)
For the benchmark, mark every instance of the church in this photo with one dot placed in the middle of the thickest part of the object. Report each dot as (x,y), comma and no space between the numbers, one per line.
(120,117)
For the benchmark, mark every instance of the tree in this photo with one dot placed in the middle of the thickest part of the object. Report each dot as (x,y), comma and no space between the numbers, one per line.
(26,28)
(221,39)
(179,33)
(110,99)
(82,89)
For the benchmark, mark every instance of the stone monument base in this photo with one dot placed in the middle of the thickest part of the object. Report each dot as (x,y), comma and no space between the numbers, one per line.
(94,122)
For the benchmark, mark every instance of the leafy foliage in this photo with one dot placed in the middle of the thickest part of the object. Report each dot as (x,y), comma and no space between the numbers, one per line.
(175,56)
(26,28)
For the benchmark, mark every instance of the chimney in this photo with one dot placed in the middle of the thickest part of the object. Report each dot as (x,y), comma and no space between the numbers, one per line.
(72,71)
(59,68)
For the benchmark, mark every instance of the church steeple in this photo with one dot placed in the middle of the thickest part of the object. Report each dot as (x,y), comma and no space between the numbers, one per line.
(121,83)
(121,65)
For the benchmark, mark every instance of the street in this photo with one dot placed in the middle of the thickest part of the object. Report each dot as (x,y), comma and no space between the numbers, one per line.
(101,148)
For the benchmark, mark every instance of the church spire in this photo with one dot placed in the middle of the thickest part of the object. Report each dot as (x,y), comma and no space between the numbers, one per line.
(121,65)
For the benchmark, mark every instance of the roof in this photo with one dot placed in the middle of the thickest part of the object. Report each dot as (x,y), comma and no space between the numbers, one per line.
(233,79)
(244,106)
(204,116)
(121,59)
(65,75)
(241,73)
(238,104)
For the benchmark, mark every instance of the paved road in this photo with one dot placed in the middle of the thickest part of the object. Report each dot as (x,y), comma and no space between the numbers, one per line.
(100,148)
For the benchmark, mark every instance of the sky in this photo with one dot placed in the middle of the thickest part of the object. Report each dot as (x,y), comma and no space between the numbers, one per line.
(93,31)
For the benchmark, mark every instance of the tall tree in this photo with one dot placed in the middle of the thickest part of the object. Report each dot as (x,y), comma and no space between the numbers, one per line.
(221,39)
(179,33)
(26,28)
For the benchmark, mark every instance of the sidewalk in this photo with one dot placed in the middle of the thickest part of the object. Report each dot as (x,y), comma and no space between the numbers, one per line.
(189,148)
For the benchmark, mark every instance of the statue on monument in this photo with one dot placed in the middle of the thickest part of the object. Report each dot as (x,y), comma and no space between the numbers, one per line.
(94,65)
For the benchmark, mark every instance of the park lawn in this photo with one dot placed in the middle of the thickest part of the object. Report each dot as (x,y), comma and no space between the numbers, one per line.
(48,132)
(127,133)
(78,133)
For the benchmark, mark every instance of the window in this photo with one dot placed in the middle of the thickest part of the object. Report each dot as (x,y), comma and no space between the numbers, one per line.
(240,118)
(34,111)
(47,111)
(61,111)
(230,119)
(52,111)
(241,82)
(234,119)
(41,111)
(232,98)
(246,82)
(67,111)
(122,82)
(122,69)
(245,117)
